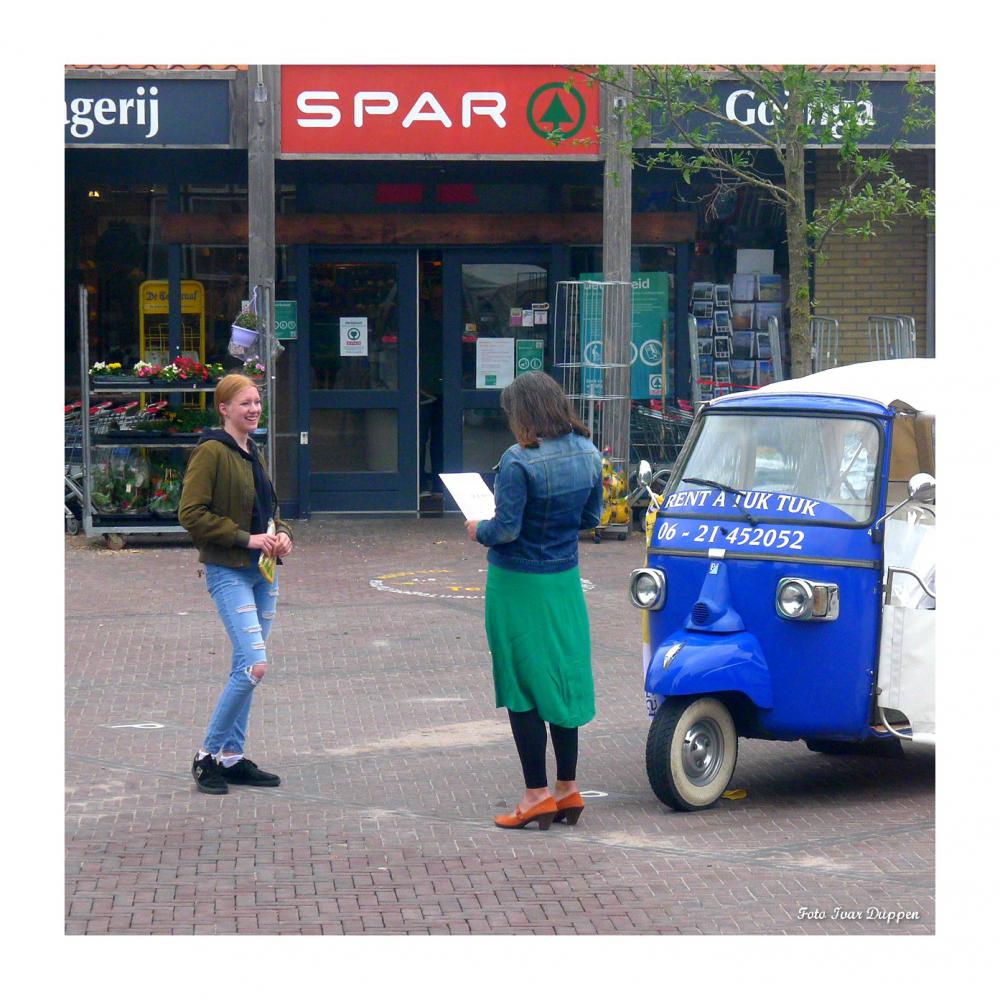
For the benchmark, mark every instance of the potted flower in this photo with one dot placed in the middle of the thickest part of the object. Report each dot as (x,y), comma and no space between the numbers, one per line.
(168,373)
(143,369)
(191,370)
(245,328)
(254,368)
(102,371)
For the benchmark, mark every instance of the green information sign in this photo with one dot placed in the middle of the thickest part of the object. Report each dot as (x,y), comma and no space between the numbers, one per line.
(286,320)
(530,356)
(652,328)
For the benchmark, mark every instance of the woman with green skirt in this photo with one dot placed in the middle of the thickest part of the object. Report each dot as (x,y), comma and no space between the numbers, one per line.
(548,488)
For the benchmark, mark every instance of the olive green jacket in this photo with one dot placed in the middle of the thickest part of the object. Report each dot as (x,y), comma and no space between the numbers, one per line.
(217,505)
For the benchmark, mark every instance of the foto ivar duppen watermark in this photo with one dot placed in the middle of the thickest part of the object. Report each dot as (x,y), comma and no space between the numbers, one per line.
(877,914)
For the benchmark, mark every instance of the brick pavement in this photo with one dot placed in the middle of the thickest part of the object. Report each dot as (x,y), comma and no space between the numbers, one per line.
(377,712)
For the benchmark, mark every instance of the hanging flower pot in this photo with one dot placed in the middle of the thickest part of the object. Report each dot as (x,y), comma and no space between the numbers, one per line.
(245,329)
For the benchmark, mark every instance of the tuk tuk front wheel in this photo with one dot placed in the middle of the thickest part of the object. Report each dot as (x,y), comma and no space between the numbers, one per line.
(691,752)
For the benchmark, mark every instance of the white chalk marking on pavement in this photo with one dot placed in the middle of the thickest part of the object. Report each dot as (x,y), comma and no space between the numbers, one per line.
(594,795)
(405,583)
(460,734)
(622,838)
(137,725)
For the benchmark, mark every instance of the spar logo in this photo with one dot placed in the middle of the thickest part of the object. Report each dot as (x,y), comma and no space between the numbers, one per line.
(556,111)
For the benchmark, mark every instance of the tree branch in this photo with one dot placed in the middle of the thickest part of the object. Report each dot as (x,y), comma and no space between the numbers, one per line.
(755,82)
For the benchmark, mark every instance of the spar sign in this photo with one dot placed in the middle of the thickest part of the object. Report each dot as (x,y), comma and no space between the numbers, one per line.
(438,110)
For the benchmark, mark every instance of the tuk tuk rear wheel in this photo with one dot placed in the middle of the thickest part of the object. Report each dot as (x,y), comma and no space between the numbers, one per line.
(691,752)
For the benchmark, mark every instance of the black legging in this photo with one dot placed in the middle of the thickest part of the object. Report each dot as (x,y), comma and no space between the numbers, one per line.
(529,737)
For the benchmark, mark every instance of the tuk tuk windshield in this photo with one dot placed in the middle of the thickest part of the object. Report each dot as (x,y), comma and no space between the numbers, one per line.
(825,458)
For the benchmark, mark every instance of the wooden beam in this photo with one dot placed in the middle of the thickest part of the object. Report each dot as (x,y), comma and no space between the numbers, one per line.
(616,257)
(261,98)
(430,229)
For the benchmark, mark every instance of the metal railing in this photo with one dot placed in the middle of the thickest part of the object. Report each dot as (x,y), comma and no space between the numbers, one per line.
(777,360)
(892,337)
(824,340)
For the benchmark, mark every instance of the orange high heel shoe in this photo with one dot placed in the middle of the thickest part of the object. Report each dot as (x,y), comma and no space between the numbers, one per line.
(517,820)
(569,808)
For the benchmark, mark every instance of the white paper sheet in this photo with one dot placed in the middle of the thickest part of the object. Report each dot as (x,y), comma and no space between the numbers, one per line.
(494,362)
(471,493)
(354,336)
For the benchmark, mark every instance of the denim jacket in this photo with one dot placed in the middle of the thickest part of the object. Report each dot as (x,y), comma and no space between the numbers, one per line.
(544,497)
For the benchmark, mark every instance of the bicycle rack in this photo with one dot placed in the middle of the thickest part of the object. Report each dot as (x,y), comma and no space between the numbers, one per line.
(892,337)
(824,339)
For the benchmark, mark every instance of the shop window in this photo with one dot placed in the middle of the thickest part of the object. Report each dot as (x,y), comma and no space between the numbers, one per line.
(227,199)
(495,300)
(113,245)
(346,291)
(584,198)
(222,272)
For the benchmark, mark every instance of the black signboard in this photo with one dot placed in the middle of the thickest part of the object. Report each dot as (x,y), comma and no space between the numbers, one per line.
(886,107)
(146,112)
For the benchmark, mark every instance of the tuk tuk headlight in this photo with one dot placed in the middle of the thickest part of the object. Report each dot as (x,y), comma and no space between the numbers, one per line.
(805,600)
(647,588)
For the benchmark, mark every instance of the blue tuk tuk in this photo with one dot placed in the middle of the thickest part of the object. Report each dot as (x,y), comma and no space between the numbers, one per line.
(788,587)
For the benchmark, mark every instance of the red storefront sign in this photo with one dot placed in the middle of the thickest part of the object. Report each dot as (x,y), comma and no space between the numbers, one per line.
(438,110)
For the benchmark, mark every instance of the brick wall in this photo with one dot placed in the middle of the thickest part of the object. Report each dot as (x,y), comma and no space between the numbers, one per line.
(884,275)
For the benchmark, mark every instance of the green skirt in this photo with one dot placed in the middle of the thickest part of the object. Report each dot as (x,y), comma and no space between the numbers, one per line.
(539,635)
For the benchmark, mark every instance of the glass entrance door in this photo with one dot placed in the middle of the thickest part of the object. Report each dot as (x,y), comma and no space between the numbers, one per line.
(490,330)
(361,376)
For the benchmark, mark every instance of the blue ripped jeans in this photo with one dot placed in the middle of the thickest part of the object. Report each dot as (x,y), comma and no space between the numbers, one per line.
(246,603)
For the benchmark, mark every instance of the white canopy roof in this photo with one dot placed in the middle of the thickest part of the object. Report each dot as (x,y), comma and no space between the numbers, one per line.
(906,380)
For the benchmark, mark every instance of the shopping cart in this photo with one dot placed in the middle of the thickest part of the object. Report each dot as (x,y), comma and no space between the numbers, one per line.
(73,464)
(102,416)
(128,416)
(657,435)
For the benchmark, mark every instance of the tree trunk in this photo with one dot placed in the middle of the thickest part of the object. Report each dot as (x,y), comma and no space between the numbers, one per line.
(795,225)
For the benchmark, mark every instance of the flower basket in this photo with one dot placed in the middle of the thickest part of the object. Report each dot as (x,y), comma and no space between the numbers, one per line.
(243,336)
(181,373)
(244,329)
(111,375)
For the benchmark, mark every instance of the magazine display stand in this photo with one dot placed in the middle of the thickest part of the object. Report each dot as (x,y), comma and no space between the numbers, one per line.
(591,356)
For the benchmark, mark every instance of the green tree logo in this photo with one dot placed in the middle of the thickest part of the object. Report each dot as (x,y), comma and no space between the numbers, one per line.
(549,115)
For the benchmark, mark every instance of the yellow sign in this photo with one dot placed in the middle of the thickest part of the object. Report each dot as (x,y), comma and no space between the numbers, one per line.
(154,326)
(154,297)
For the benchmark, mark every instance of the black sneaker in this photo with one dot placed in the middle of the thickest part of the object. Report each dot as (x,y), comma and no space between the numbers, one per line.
(246,772)
(207,776)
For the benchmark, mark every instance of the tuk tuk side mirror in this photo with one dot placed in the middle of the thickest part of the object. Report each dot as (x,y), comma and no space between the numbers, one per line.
(646,473)
(921,488)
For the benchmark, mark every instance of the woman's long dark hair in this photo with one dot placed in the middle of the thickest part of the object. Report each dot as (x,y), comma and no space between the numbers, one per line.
(536,407)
